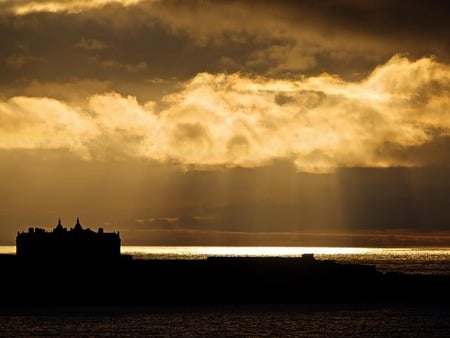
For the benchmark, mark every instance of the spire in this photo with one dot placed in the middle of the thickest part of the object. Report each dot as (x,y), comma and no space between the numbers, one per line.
(78,225)
(59,227)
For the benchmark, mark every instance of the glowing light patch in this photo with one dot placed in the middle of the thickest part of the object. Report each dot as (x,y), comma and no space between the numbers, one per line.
(231,251)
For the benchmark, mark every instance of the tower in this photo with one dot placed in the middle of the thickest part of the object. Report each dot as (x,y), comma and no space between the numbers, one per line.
(78,225)
(59,227)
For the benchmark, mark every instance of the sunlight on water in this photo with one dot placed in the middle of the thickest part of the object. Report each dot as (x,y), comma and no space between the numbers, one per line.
(407,260)
(195,252)
(7,249)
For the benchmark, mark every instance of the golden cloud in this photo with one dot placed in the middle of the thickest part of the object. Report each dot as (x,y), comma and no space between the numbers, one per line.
(74,6)
(319,123)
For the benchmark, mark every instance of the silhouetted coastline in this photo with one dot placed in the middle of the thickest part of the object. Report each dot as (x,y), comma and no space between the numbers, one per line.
(100,279)
(250,280)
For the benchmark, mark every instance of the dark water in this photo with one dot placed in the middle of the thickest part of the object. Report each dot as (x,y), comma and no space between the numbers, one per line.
(232,321)
(251,321)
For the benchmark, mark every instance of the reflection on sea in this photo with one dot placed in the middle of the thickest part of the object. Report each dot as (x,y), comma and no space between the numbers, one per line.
(407,260)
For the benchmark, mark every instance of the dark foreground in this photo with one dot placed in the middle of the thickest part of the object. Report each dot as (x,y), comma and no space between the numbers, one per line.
(132,283)
(242,320)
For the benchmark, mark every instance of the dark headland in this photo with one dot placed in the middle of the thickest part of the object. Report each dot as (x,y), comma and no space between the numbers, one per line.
(83,267)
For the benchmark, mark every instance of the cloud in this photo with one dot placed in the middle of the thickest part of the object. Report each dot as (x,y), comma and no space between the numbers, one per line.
(219,120)
(112,64)
(72,6)
(133,41)
(30,123)
(91,44)
(304,36)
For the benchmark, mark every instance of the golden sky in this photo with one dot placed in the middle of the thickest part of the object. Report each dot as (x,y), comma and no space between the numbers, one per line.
(227,122)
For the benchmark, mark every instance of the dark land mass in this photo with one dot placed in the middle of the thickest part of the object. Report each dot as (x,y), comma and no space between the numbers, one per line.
(124,281)
(81,267)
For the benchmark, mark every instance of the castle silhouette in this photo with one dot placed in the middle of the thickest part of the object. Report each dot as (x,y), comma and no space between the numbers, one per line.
(63,244)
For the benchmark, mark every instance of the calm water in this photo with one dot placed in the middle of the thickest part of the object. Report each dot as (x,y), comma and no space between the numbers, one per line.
(407,260)
(234,321)
(388,320)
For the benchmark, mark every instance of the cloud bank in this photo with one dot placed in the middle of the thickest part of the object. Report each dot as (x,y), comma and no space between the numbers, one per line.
(134,41)
(228,120)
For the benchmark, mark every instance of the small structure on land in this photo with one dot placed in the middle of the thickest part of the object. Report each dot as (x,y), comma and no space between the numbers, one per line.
(63,244)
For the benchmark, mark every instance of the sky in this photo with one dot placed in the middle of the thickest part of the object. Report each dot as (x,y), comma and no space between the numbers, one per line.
(322,123)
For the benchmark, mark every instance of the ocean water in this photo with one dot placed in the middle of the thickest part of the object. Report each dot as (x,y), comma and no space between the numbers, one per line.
(407,260)
(233,321)
(422,260)
(304,320)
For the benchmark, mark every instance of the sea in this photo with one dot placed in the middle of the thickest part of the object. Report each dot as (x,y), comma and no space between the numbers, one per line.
(415,260)
(257,320)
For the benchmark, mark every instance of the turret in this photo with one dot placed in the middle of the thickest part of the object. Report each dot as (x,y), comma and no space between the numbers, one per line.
(78,225)
(59,227)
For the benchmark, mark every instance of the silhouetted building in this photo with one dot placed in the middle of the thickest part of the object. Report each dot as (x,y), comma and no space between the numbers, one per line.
(61,244)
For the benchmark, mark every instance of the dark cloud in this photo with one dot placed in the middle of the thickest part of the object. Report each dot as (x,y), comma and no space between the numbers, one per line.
(168,39)
(350,200)
(397,198)
(435,153)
